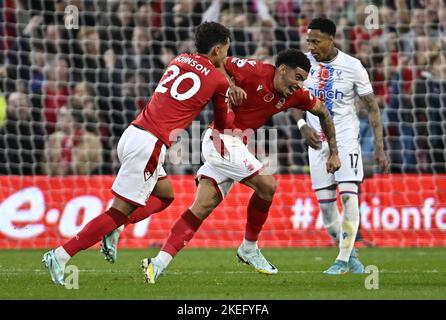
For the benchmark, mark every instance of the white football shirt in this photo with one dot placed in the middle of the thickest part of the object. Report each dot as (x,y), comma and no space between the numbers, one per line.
(336,83)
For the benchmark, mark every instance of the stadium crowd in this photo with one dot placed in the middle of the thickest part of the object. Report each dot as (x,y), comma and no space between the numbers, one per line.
(67,94)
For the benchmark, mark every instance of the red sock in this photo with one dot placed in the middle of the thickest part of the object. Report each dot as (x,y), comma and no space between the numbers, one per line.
(181,233)
(154,204)
(95,230)
(257,214)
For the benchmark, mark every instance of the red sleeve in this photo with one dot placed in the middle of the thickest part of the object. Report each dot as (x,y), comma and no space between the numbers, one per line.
(220,102)
(230,65)
(241,68)
(304,100)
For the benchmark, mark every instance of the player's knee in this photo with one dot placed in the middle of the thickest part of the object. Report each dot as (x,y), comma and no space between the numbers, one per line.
(169,194)
(204,208)
(268,188)
(348,191)
(164,189)
(327,207)
(345,198)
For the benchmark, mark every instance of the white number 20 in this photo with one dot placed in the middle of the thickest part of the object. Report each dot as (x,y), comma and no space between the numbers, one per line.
(174,89)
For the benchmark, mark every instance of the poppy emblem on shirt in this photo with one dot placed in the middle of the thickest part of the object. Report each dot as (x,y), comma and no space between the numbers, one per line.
(268,97)
(325,74)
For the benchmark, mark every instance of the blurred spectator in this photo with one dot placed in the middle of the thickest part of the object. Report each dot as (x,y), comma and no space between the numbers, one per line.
(149,17)
(55,90)
(135,93)
(89,65)
(180,17)
(21,138)
(272,38)
(359,34)
(26,45)
(401,119)
(430,101)
(365,54)
(287,12)
(53,41)
(36,75)
(120,28)
(127,104)
(71,149)
(111,162)
(167,54)
(143,56)
(388,19)
(84,106)
(243,42)
(120,50)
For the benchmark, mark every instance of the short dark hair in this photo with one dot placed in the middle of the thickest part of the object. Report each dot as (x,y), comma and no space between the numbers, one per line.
(323,25)
(209,34)
(293,58)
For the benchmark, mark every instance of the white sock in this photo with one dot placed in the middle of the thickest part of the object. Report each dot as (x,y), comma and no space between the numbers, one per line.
(334,229)
(163,258)
(350,219)
(249,246)
(330,213)
(62,256)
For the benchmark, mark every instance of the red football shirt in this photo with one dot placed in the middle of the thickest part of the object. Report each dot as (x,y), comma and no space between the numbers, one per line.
(263,101)
(187,86)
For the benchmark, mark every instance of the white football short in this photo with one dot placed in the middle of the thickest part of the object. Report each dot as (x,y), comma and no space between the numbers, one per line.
(226,161)
(142,157)
(351,165)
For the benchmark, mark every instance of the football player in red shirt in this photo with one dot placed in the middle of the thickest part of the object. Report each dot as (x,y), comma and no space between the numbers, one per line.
(270,90)
(190,82)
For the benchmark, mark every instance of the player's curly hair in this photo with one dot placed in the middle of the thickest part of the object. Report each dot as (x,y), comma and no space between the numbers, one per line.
(293,58)
(209,34)
(323,25)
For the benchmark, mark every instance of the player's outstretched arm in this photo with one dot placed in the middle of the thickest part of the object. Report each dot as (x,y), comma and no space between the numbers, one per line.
(376,123)
(236,94)
(319,110)
(223,114)
(310,135)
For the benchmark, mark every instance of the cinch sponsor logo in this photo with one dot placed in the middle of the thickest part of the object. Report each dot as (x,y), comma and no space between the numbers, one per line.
(327,94)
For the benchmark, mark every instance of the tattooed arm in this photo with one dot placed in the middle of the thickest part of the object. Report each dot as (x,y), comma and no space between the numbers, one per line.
(376,124)
(310,135)
(319,110)
(327,125)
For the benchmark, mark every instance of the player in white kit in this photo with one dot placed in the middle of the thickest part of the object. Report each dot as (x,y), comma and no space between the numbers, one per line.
(337,78)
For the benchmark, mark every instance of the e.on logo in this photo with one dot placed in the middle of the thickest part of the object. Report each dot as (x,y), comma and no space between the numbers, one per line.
(26,206)
(25,215)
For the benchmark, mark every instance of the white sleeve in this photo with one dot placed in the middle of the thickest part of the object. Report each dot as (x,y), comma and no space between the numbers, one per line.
(363,85)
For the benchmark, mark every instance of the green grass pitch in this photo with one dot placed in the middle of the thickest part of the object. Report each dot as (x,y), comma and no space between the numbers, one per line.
(416,273)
